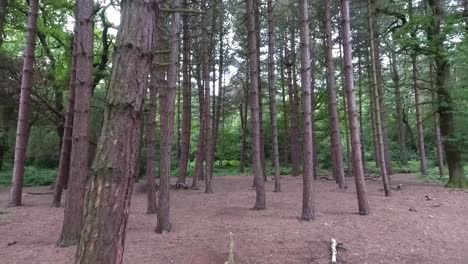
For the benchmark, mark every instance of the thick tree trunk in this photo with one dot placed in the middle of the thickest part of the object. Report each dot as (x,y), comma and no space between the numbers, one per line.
(378,103)
(358,170)
(167,99)
(272,94)
(260,201)
(72,221)
(399,108)
(335,138)
(151,205)
(187,100)
(308,201)
(22,130)
(457,177)
(110,186)
(65,152)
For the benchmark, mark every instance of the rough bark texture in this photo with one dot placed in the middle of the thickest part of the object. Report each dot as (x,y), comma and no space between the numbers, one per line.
(209,146)
(151,206)
(358,170)
(63,172)
(187,100)
(272,94)
(378,105)
(260,201)
(308,201)
(72,221)
(22,130)
(167,99)
(110,185)
(457,177)
(335,138)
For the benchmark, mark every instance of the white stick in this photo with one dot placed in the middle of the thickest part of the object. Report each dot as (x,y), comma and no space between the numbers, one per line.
(333,250)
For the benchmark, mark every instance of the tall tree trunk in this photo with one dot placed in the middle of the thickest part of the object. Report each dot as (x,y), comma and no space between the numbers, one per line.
(375,140)
(308,201)
(378,103)
(209,146)
(293,107)
(109,188)
(379,84)
(361,111)
(72,221)
(417,99)
(200,158)
(22,130)
(272,94)
(167,101)
(151,205)
(3,11)
(439,144)
(187,100)
(457,177)
(63,171)
(285,105)
(260,201)
(399,108)
(358,170)
(335,138)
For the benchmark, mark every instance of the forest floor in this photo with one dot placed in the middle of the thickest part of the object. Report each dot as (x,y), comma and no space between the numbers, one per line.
(404,228)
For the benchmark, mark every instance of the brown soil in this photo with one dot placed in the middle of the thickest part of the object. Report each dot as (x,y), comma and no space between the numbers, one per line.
(405,228)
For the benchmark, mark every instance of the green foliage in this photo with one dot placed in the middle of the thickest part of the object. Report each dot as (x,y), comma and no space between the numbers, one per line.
(33,176)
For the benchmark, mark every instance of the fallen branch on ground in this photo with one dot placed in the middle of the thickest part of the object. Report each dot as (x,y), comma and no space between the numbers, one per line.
(333,250)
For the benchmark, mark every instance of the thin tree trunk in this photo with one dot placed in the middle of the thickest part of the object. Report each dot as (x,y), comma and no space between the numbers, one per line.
(272,94)
(358,170)
(244,108)
(378,104)
(187,100)
(335,138)
(439,144)
(260,201)
(375,140)
(457,177)
(22,132)
(399,108)
(151,205)
(109,188)
(285,106)
(63,171)
(168,103)
(199,173)
(308,201)
(361,111)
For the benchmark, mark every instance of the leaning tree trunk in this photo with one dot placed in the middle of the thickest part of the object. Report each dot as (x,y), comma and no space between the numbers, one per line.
(272,94)
(436,37)
(22,132)
(110,186)
(378,106)
(187,101)
(63,172)
(72,221)
(358,170)
(335,139)
(260,201)
(167,101)
(308,201)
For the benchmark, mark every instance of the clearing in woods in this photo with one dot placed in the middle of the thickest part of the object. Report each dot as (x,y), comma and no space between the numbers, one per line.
(421,223)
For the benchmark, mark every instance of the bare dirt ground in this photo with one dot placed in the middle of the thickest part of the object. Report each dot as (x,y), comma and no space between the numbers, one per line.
(433,231)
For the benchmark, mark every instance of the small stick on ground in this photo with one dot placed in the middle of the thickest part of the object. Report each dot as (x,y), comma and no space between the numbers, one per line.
(333,250)
(231,250)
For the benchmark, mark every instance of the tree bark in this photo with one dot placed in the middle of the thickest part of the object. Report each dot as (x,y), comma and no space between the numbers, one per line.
(272,94)
(378,103)
(187,100)
(3,12)
(167,99)
(151,206)
(358,170)
(438,138)
(110,186)
(285,105)
(65,152)
(22,132)
(335,138)
(72,221)
(260,201)
(457,177)
(201,136)
(308,201)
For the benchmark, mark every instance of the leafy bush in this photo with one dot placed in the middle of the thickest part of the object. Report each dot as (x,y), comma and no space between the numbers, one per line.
(33,176)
